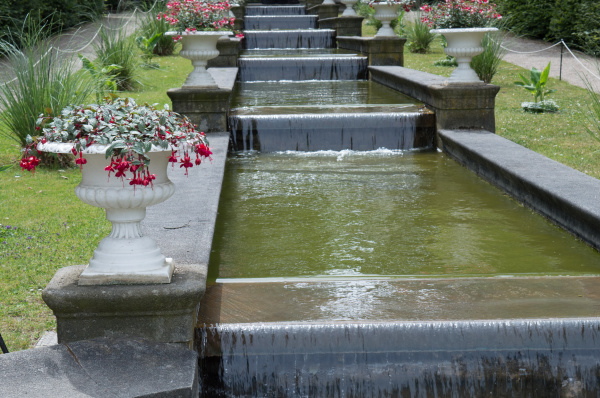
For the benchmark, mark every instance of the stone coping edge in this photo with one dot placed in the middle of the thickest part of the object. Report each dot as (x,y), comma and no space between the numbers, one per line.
(565,196)
(183,226)
(101,368)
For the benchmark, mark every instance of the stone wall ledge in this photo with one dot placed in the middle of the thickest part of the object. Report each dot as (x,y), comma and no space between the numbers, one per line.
(206,107)
(457,105)
(384,51)
(565,196)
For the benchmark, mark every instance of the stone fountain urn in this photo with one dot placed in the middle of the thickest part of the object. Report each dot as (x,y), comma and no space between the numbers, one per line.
(464,44)
(199,47)
(125,256)
(349,11)
(386,13)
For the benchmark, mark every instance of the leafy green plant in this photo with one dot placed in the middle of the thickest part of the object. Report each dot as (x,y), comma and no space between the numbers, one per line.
(147,47)
(486,64)
(5,167)
(116,48)
(537,85)
(105,81)
(419,37)
(449,61)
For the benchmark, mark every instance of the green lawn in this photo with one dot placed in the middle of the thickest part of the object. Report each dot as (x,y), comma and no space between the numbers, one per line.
(561,136)
(54,229)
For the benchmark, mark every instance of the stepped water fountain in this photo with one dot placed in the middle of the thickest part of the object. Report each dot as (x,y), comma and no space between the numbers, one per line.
(299,303)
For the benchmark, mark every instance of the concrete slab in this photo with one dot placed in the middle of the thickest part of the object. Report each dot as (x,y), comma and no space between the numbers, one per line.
(383,300)
(100,368)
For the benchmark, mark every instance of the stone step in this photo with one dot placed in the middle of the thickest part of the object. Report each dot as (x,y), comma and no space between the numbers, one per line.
(505,336)
(270,22)
(302,68)
(275,10)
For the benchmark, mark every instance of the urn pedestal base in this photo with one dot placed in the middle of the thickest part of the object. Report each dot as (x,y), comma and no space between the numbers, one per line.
(164,312)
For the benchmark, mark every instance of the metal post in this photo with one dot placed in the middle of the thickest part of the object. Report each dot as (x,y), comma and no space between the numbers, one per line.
(562,48)
(3,346)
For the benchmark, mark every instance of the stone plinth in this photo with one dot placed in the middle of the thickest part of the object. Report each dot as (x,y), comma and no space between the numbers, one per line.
(163,312)
(344,26)
(324,10)
(206,107)
(229,50)
(382,51)
(456,105)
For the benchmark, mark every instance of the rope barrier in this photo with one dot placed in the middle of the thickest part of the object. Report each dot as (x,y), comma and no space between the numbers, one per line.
(529,52)
(561,42)
(580,63)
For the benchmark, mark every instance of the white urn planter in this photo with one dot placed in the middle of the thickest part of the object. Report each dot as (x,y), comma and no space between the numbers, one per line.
(125,256)
(385,13)
(199,47)
(464,44)
(349,11)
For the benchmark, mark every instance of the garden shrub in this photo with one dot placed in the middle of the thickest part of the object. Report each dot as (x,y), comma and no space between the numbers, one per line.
(564,13)
(574,21)
(586,27)
(527,17)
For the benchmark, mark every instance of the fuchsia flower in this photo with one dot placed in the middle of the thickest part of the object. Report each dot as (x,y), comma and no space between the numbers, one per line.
(129,131)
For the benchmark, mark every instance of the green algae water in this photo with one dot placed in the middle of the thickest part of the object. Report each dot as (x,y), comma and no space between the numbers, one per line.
(379,214)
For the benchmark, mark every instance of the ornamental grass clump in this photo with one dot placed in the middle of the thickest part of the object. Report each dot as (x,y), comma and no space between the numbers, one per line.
(197,15)
(452,14)
(42,78)
(128,130)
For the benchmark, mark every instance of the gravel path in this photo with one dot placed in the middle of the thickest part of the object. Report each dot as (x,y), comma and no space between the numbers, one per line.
(576,66)
(82,39)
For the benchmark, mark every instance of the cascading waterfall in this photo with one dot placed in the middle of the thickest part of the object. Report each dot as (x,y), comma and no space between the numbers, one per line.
(313,132)
(300,38)
(412,359)
(266,22)
(302,68)
(275,10)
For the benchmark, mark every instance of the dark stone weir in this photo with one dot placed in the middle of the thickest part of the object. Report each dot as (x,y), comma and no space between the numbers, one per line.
(338,131)
(275,10)
(516,358)
(302,68)
(280,22)
(289,39)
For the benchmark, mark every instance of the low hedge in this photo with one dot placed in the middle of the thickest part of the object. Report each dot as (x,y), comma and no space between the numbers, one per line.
(574,21)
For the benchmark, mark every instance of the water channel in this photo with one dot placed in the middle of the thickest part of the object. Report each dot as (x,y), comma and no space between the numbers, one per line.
(351,258)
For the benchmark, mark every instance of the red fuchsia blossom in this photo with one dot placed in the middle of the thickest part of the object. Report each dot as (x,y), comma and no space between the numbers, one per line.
(29,163)
(130,132)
